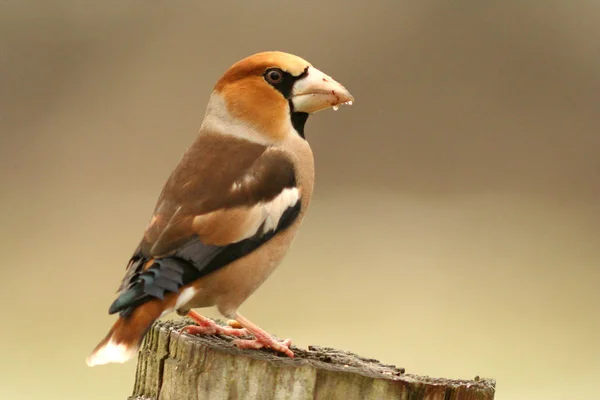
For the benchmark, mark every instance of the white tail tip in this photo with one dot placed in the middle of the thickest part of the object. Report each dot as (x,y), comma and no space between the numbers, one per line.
(111,352)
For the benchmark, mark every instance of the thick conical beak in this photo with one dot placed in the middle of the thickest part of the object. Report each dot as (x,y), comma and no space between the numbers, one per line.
(317,91)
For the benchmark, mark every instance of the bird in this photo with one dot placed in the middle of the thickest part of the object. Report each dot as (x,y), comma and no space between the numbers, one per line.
(230,209)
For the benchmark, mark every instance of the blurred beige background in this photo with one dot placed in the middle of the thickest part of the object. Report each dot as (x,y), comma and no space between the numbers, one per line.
(455,225)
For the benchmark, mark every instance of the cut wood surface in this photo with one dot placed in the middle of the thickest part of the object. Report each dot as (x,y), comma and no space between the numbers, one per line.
(174,366)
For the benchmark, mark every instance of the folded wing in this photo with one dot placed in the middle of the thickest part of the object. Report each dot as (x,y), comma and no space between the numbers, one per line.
(206,218)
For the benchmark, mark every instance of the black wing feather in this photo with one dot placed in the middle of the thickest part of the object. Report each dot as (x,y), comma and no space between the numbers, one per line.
(193,261)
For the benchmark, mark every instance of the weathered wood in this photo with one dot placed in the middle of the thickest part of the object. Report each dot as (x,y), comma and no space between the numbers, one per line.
(183,367)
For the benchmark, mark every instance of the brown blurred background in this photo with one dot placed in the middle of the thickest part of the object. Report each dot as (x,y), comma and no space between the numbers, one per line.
(455,225)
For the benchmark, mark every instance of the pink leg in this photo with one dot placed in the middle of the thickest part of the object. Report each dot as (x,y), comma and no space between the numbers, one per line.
(206,326)
(263,339)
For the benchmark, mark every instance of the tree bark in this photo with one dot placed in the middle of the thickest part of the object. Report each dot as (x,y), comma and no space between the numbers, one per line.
(183,367)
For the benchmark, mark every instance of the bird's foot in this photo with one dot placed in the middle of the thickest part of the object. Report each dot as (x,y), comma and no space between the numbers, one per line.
(207,326)
(270,342)
(262,339)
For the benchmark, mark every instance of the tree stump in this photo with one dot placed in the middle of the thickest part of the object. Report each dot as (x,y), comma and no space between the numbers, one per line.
(173,366)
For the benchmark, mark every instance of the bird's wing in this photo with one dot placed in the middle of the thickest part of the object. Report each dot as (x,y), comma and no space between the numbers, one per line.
(223,200)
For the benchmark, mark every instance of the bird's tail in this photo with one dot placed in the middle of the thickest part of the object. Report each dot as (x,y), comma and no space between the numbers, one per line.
(124,338)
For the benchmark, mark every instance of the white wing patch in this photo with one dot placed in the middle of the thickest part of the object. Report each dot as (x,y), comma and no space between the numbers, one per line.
(276,207)
(230,225)
(270,213)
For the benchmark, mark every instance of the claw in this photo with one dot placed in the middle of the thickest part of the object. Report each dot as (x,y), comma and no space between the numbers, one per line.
(234,324)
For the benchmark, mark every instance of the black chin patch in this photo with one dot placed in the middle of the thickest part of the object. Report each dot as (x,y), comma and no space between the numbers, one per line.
(298,122)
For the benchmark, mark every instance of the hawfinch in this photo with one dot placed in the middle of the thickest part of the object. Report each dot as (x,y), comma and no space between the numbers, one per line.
(230,209)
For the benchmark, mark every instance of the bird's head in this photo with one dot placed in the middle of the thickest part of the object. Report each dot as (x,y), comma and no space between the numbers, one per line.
(273,93)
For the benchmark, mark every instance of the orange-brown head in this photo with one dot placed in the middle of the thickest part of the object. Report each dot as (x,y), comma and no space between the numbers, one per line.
(271,94)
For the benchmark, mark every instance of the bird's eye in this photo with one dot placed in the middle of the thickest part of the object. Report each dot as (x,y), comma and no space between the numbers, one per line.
(274,76)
